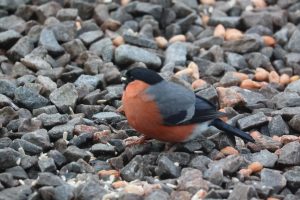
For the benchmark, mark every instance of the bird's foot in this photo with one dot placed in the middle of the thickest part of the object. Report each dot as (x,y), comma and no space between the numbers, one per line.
(134,140)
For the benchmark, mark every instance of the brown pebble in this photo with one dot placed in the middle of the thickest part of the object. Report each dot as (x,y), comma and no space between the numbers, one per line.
(272,198)
(255,135)
(119,184)
(198,83)
(119,40)
(136,189)
(201,194)
(229,151)
(294,78)
(219,31)
(161,42)
(288,138)
(269,41)
(250,84)
(233,34)
(104,173)
(195,70)
(177,38)
(245,172)
(125,2)
(261,74)
(284,79)
(240,75)
(205,19)
(259,3)
(208,2)
(255,167)
(274,77)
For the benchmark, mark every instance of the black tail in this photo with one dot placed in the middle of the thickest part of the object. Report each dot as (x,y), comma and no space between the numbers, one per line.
(219,124)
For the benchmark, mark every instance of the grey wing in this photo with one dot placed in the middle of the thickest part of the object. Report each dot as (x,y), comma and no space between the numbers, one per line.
(176,103)
(180,106)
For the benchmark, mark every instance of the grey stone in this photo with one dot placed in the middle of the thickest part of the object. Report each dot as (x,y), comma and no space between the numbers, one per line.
(244,45)
(158,194)
(57,131)
(36,59)
(91,36)
(135,169)
(252,121)
(29,98)
(67,14)
(293,178)
(16,193)
(294,41)
(103,48)
(103,149)
(176,53)
(64,192)
(64,97)
(28,147)
(90,189)
(293,87)
(145,8)
(294,123)
(139,40)
(111,73)
(214,175)
(286,99)
(290,154)
(242,191)
(273,178)
(51,109)
(229,165)
(85,9)
(251,19)
(50,120)
(58,157)
(127,54)
(12,22)
(277,126)
(107,116)
(8,158)
(208,42)
(166,168)
(47,165)
(265,157)
(47,84)
(287,112)
(73,153)
(74,48)
(227,22)
(48,179)
(236,60)
(91,82)
(48,40)
(200,162)
(8,38)
(17,172)
(191,180)
(7,87)
(39,137)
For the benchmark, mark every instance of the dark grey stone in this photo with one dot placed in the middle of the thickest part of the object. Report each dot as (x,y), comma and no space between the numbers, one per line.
(230,164)
(67,14)
(236,60)
(244,45)
(51,109)
(29,98)
(58,157)
(265,157)
(64,192)
(286,99)
(294,41)
(16,193)
(8,158)
(28,147)
(74,48)
(139,40)
(73,153)
(7,87)
(50,120)
(48,179)
(103,149)
(90,189)
(158,194)
(47,165)
(135,169)
(252,121)
(227,22)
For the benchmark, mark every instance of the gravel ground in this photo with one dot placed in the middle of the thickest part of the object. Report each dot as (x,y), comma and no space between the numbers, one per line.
(62,138)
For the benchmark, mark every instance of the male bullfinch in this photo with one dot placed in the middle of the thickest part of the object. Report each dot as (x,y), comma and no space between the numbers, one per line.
(167,111)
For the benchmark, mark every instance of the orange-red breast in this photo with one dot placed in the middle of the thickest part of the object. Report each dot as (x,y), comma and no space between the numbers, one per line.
(167,111)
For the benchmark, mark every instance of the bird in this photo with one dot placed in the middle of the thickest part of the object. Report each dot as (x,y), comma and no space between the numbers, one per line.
(167,111)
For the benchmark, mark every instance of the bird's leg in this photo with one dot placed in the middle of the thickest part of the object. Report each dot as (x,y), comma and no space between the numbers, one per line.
(131,141)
